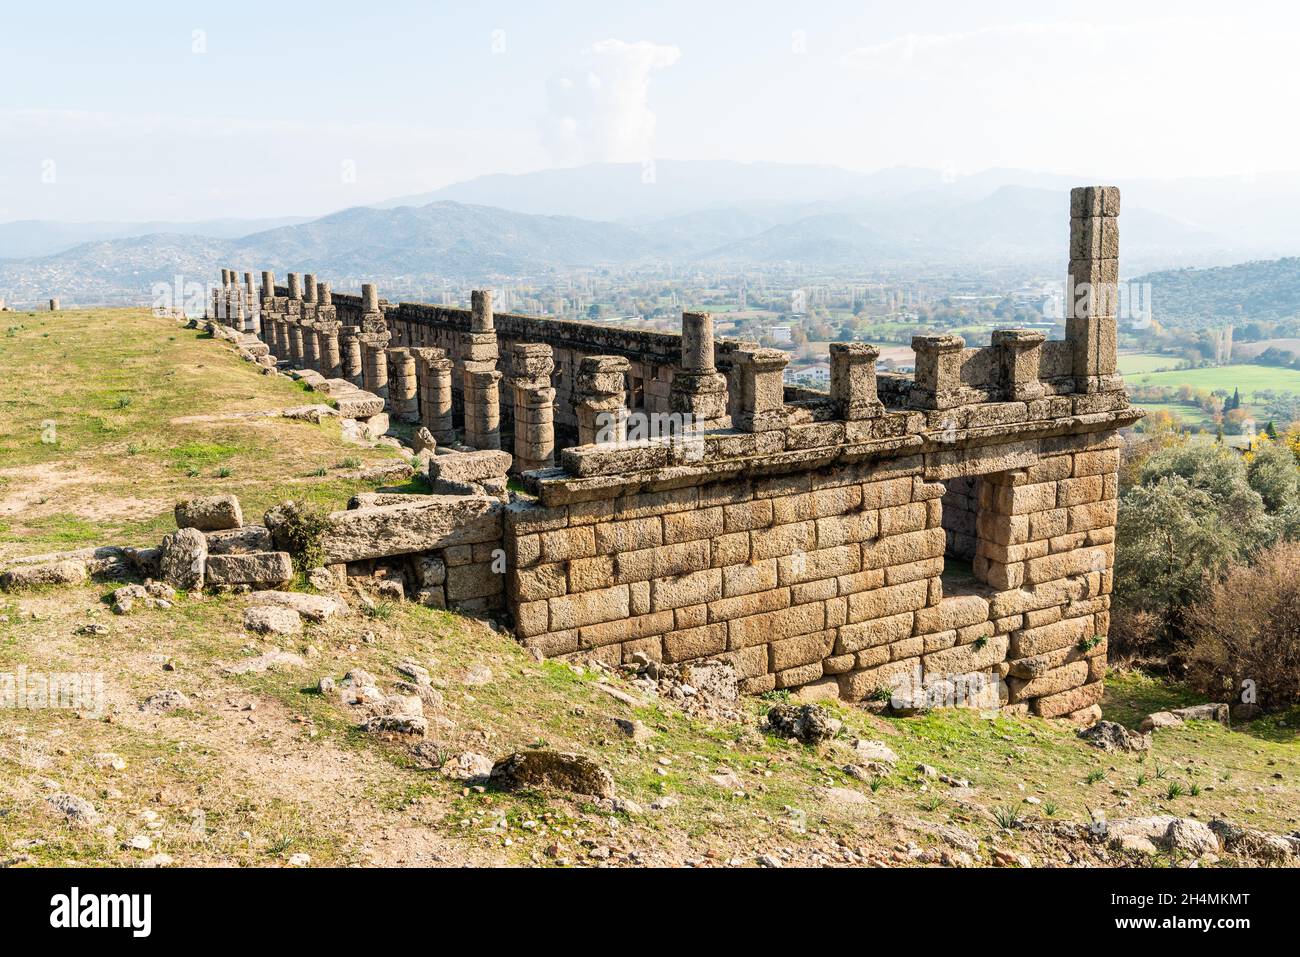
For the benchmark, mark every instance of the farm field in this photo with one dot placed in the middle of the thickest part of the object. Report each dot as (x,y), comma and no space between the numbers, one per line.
(1247,378)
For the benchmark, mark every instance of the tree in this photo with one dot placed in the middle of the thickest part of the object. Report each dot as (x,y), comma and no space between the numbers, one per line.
(1247,629)
(1191,513)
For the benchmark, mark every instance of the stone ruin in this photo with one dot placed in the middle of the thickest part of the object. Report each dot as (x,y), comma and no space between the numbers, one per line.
(944,537)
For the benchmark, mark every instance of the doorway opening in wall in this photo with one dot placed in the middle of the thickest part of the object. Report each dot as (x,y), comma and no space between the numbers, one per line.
(961,533)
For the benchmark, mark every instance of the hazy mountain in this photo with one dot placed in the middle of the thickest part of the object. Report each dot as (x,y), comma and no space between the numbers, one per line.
(1201,297)
(440,238)
(37,237)
(437,239)
(630,191)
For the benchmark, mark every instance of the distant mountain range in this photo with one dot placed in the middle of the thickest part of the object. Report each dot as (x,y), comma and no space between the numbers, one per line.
(717,215)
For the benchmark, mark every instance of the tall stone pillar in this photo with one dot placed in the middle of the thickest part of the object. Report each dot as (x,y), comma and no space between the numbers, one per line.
(433,369)
(481,383)
(531,365)
(402,385)
(698,390)
(853,381)
(293,316)
(252,308)
(1092,290)
(327,332)
(601,399)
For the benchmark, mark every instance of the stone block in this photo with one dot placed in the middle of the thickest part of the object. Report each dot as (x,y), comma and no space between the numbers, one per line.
(209,513)
(261,569)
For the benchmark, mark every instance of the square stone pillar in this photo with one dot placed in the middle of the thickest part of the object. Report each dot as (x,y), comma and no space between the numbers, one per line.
(433,370)
(601,399)
(698,391)
(402,385)
(531,365)
(762,389)
(1021,355)
(937,381)
(853,381)
(1092,289)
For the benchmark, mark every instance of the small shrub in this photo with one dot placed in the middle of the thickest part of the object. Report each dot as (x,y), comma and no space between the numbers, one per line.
(1008,818)
(1050,808)
(381,610)
(351,462)
(1086,645)
(980,642)
(297,528)
(223,472)
(123,401)
(1095,776)
(932,803)
(880,693)
(192,471)
(1174,790)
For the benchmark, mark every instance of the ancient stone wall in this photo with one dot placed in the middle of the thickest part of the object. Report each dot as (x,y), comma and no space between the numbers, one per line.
(945,536)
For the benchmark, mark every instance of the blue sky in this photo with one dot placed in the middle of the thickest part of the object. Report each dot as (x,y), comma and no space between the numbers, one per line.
(182,111)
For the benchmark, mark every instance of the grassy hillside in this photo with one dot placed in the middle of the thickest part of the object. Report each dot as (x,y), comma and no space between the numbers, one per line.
(111,416)
(258,766)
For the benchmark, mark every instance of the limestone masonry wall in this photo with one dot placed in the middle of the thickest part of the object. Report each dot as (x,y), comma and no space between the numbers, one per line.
(942,537)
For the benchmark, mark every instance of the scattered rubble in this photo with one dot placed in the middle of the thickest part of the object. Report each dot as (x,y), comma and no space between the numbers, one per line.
(552,769)
(1109,736)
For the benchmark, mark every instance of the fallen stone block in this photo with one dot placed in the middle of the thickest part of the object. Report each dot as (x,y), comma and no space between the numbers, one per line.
(269,661)
(67,572)
(317,608)
(440,521)
(240,541)
(466,467)
(209,513)
(359,404)
(272,619)
(262,569)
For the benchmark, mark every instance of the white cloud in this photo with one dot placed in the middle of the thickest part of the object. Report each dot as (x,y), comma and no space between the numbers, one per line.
(600,111)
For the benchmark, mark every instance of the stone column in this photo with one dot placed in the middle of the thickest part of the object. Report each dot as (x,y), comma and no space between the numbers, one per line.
(54,305)
(327,332)
(252,308)
(698,389)
(402,385)
(481,383)
(297,356)
(308,288)
(1021,354)
(762,389)
(601,399)
(531,365)
(853,381)
(350,356)
(374,360)
(1092,290)
(295,286)
(433,370)
(937,382)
